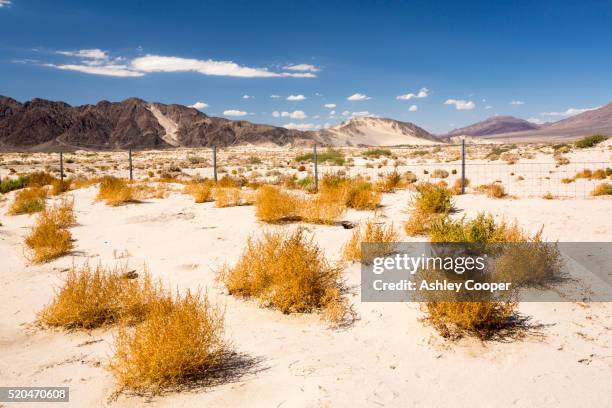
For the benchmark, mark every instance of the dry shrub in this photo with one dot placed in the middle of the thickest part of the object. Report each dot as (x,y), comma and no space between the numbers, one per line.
(115,191)
(289,273)
(419,223)
(93,297)
(28,201)
(453,319)
(180,340)
(59,186)
(49,238)
(493,190)
(567,180)
(62,213)
(585,173)
(321,210)
(548,196)
(39,179)
(361,196)
(390,182)
(201,192)
(602,189)
(439,173)
(78,183)
(432,199)
(233,196)
(372,233)
(481,229)
(456,189)
(598,174)
(274,205)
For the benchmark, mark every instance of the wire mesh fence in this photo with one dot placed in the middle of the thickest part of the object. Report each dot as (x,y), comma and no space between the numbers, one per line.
(530,177)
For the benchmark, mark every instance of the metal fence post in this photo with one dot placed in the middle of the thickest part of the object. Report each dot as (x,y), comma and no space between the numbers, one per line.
(130,159)
(215,163)
(463,166)
(316,167)
(61,166)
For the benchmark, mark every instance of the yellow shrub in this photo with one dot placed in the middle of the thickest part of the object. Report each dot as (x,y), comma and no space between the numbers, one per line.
(49,238)
(432,199)
(201,192)
(493,190)
(62,213)
(115,191)
(60,186)
(28,201)
(93,297)
(602,189)
(321,210)
(361,196)
(390,182)
(274,205)
(372,233)
(287,272)
(232,196)
(180,340)
(457,186)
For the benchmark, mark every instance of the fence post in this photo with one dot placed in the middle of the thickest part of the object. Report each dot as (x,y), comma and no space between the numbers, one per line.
(463,166)
(62,166)
(215,163)
(130,159)
(316,168)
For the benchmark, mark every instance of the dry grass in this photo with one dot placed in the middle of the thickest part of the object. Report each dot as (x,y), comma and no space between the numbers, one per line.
(372,232)
(28,201)
(274,205)
(287,272)
(115,191)
(391,182)
(59,186)
(201,192)
(233,196)
(49,237)
(321,210)
(353,193)
(602,189)
(456,189)
(180,340)
(493,190)
(93,297)
(429,203)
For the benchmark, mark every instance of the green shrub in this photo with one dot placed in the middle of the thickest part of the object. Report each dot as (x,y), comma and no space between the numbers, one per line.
(330,155)
(377,152)
(590,141)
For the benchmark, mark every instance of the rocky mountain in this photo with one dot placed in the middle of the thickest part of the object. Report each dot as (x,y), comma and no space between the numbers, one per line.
(587,123)
(494,125)
(45,125)
(373,131)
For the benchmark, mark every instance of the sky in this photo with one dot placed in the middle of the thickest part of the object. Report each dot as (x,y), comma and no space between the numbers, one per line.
(311,64)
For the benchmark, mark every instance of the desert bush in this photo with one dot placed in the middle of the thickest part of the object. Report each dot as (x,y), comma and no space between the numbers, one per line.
(115,191)
(410,177)
(59,186)
(201,192)
(548,196)
(590,141)
(598,174)
(274,205)
(228,181)
(602,189)
(10,184)
(233,196)
(456,189)
(493,190)
(286,272)
(39,179)
(361,195)
(62,213)
(180,340)
(93,297)
(377,153)
(370,233)
(561,160)
(567,180)
(584,173)
(439,173)
(390,182)
(432,199)
(49,238)
(482,229)
(321,209)
(28,201)
(330,155)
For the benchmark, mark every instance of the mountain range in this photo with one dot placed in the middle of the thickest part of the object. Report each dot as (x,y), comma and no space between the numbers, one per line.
(44,125)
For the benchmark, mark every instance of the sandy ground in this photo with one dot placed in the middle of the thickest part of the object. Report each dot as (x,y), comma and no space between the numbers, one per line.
(387,358)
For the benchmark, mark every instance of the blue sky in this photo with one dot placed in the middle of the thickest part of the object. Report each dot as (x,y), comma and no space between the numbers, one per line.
(437,64)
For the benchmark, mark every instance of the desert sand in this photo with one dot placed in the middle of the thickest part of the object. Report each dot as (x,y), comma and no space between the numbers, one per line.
(387,357)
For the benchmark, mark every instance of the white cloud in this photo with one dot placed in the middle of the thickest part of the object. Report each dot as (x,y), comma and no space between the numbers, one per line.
(332,112)
(248,97)
(107,70)
(358,97)
(330,105)
(297,114)
(569,112)
(302,68)
(413,108)
(296,97)
(460,104)
(199,105)
(5,3)
(537,121)
(302,126)
(423,93)
(275,96)
(517,103)
(94,53)
(357,114)
(234,112)
(488,107)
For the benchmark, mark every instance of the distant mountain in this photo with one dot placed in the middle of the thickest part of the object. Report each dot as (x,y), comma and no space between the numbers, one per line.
(44,125)
(372,131)
(587,123)
(494,125)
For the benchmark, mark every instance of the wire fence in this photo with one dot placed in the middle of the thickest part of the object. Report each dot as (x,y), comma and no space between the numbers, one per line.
(521,178)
